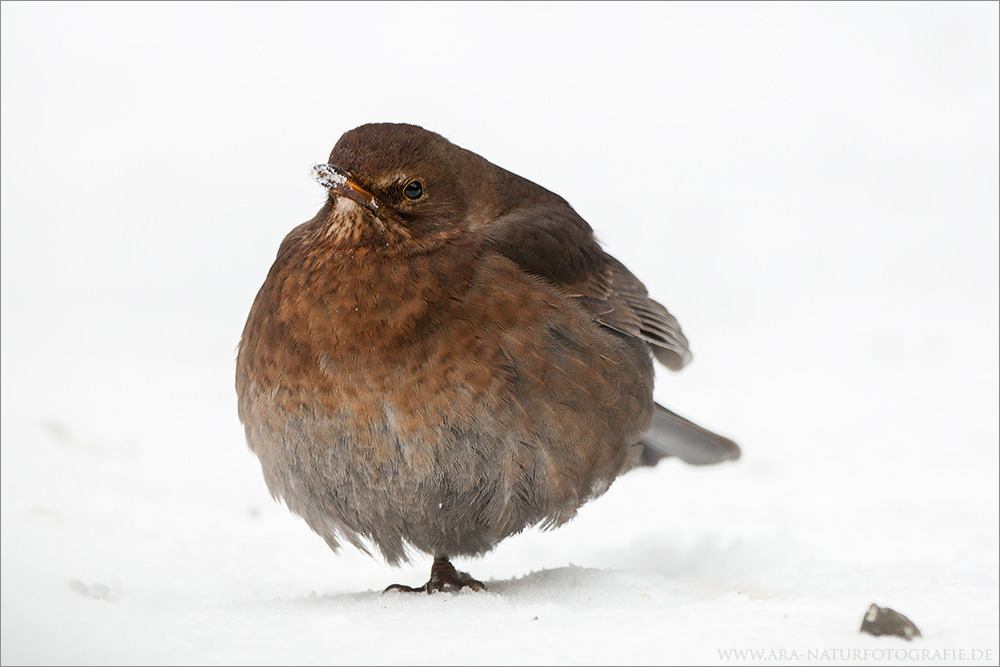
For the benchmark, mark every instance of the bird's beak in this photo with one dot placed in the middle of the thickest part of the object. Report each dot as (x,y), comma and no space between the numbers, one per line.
(340,182)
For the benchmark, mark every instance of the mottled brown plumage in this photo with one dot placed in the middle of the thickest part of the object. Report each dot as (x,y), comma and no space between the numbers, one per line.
(437,372)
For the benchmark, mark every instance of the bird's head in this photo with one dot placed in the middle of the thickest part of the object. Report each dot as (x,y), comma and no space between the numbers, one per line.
(397,184)
(394,183)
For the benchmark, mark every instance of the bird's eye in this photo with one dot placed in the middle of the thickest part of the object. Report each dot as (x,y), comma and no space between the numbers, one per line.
(413,190)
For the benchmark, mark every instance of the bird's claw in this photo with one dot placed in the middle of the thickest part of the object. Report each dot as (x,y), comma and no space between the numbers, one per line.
(444,579)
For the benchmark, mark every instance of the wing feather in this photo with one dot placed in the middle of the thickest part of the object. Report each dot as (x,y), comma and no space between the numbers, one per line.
(552,241)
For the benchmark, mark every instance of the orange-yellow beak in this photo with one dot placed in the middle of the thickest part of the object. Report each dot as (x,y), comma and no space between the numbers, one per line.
(340,182)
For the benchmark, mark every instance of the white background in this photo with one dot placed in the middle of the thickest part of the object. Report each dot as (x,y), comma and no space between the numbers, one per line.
(811,189)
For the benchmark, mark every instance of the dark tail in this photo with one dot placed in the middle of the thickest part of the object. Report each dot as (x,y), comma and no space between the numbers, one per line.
(672,435)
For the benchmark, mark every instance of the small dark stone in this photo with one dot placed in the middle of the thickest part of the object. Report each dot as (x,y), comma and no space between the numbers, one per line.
(880,621)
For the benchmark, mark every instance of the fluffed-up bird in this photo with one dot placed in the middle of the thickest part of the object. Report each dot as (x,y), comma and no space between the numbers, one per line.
(444,355)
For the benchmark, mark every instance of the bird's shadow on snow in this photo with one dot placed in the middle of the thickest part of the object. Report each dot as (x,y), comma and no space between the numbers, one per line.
(707,567)
(699,566)
(560,583)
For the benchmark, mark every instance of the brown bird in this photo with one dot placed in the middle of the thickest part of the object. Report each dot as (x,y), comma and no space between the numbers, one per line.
(444,355)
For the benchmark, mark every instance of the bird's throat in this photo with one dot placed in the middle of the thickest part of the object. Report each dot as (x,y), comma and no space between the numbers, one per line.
(366,297)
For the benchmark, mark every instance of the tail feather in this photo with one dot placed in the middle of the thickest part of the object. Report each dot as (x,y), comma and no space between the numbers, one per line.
(672,435)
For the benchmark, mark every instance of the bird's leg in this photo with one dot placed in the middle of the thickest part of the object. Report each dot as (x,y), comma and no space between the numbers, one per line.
(444,578)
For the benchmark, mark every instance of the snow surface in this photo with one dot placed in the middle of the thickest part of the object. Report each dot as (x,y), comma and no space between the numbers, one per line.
(810,188)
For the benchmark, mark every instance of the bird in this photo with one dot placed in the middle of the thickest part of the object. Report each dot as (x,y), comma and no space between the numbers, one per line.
(444,355)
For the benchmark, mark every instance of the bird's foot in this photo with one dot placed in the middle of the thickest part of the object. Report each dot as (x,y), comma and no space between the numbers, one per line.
(444,578)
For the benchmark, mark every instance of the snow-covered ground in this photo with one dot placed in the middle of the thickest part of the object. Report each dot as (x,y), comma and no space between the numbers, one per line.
(812,190)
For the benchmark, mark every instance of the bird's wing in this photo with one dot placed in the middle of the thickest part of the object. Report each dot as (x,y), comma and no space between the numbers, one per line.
(552,241)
